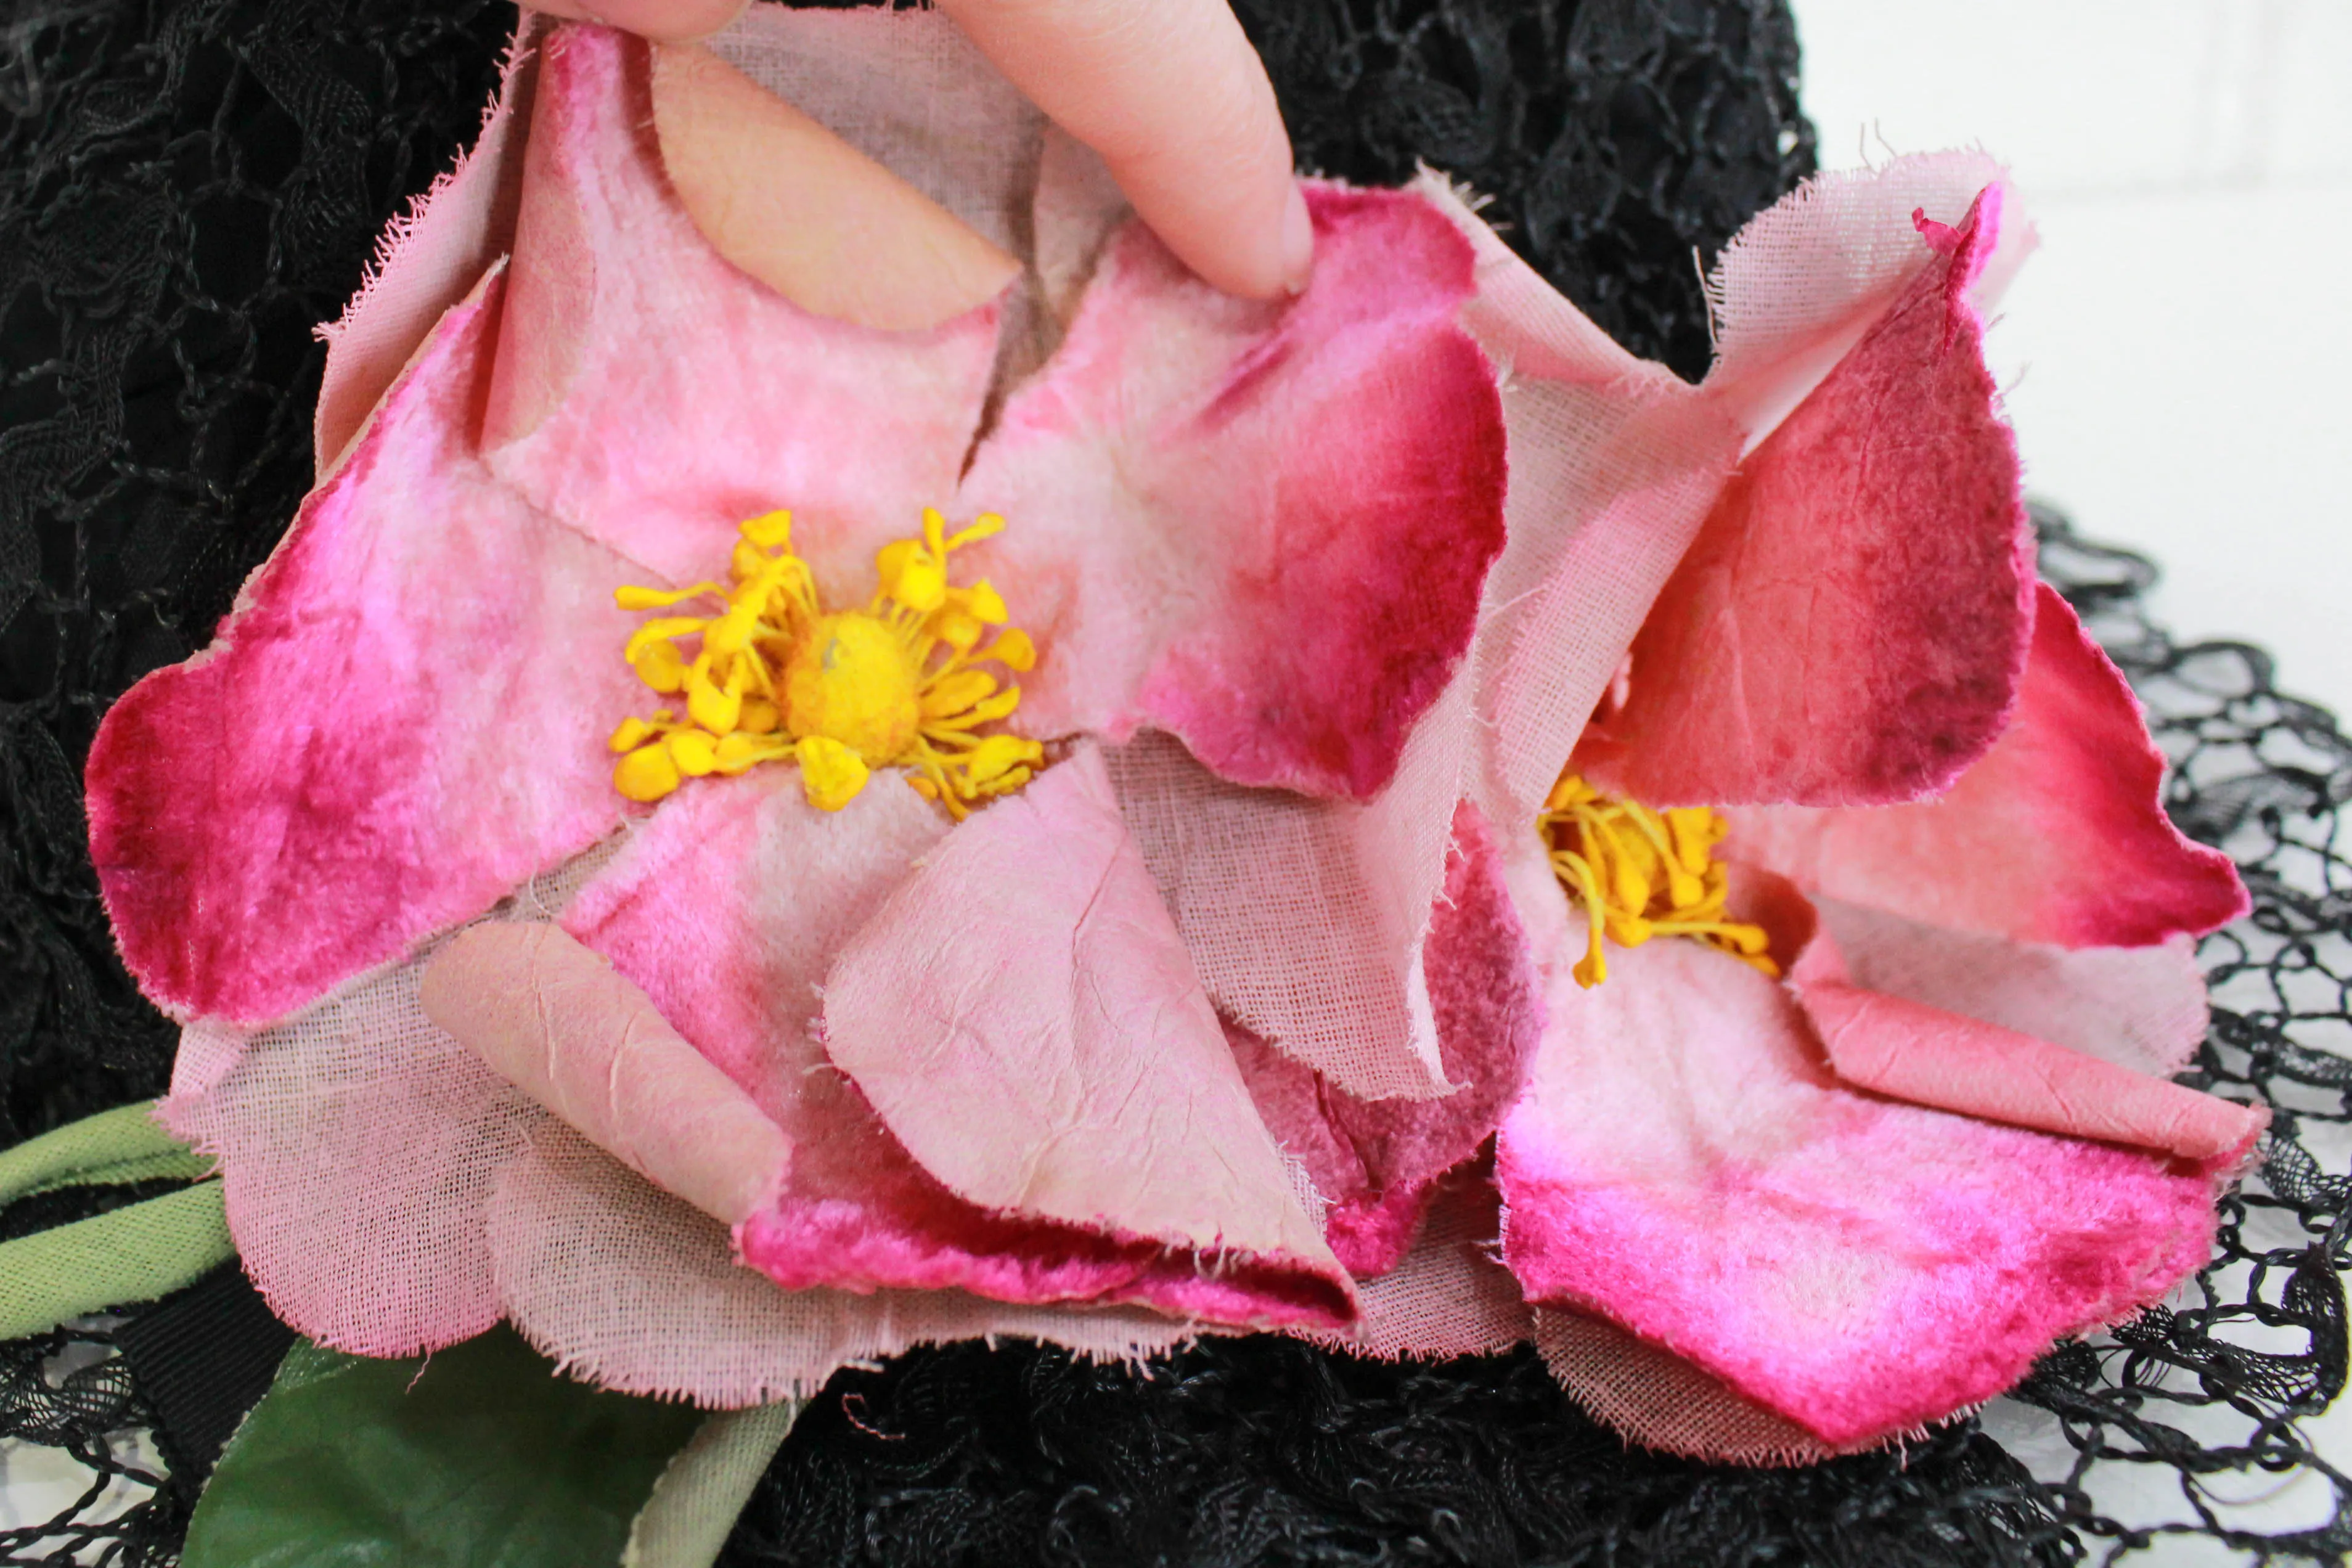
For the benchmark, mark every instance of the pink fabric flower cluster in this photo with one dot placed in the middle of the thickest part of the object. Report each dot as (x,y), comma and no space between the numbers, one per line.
(1256,1009)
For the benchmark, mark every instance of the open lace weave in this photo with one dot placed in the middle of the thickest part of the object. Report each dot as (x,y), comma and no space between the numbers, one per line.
(154,404)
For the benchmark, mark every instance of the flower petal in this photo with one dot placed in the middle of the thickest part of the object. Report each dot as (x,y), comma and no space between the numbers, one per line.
(402,721)
(1262,528)
(1660,1401)
(632,1289)
(1683,1165)
(1849,627)
(1929,1057)
(729,908)
(552,1018)
(2139,1007)
(1378,1162)
(1024,1018)
(1448,1296)
(358,1146)
(2058,835)
(654,395)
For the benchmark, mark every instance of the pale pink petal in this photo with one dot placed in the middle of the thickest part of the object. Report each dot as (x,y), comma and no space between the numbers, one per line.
(1684,1165)
(1307,919)
(2139,1007)
(654,395)
(359,1145)
(1261,527)
(2058,835)
(1807,278)
(1850,624)
(1929,1057)
(1024,1018)
(1660,1401)
(631,1289)
(1449,1296)
(1377,1163)
(428,259)
(554,1020)
(402,719)
(729,908)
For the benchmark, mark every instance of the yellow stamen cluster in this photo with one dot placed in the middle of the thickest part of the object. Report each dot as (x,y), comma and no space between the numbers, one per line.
(773,675)
(1640,873)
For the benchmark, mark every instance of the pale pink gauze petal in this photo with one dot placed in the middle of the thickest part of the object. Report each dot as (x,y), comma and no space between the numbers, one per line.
(427,261)
(629,1288)
(1260,527)
(1024,1018)
(1377,1163)
(1929,1057)
(1683,1165)
(554,1020)
(1449,1296)
(654,395)
(2058,835)
(2139,1007)
(729,908)
(359,1146)
(401,720)
(1850,624)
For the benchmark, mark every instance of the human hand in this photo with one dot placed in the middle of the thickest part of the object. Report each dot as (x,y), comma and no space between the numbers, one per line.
(1169,91)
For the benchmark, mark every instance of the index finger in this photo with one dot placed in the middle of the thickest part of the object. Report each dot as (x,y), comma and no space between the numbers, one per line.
(1173,97)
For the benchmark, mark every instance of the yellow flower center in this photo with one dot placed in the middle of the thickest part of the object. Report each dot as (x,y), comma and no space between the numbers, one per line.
(1640,873)
(774,676)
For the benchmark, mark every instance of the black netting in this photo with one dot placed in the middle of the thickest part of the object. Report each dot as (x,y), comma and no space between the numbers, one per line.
(187,186)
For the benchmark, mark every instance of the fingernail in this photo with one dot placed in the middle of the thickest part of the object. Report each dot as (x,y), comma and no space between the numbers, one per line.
(1298,242)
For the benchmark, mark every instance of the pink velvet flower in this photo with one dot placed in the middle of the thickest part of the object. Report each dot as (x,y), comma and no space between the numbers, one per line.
(1260,529)
(1214,1024)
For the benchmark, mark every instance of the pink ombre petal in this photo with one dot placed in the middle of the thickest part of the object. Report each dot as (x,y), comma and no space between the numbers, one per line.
(2058,835)
(359,1146)
(2139,1007)
(729,908)
(1850,626)
(402,719)
(654,395)
(1909,1052)
(1024,1018)
(1261,527)
(1684,1165)
(1660,1401)
(554,1020)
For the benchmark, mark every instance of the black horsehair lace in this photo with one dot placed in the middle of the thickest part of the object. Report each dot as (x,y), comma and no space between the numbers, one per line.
(188,187)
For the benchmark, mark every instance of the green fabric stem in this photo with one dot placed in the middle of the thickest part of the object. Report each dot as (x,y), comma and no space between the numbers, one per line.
(131,1254)
(114,1147)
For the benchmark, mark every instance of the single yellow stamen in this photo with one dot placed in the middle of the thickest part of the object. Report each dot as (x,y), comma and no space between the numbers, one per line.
(1640,873)
(773,677)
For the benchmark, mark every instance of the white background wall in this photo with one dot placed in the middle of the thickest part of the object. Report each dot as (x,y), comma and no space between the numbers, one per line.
(2177,351)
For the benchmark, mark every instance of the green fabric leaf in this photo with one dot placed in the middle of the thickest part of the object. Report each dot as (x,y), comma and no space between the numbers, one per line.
(476,1457)
(117,1146)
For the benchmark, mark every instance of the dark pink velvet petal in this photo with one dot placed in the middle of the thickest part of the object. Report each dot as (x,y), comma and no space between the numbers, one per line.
(729,908)
(2058,835)
(402,721)
(1262,527)
(655,396)
(1378,1162)
(1849,627)
(1685,1164)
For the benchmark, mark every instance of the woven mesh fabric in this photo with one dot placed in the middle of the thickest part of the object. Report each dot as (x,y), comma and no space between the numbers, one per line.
(186,186)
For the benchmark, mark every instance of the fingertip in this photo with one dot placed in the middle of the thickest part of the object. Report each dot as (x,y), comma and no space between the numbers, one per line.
(1298,243)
